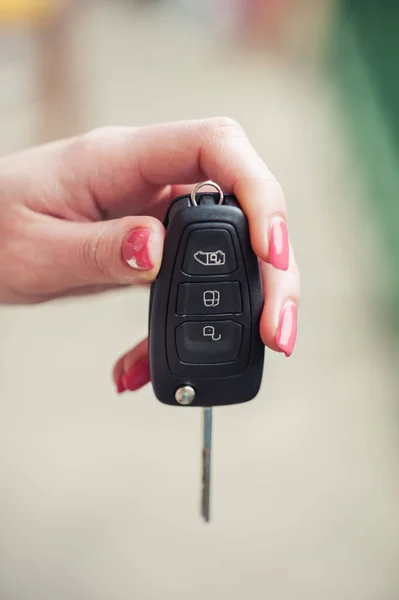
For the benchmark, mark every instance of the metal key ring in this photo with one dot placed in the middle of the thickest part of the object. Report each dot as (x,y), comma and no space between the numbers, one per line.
(203,184)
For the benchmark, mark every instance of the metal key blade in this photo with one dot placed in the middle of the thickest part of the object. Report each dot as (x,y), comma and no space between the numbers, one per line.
(206,462)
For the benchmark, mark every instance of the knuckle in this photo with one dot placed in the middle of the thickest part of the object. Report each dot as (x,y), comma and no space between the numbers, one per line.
(94,140)
(74,152)
(294,270)
(225,128)
(276,192)
(295,279)
(107,135)
(95,135)
(273,195)
(77,147)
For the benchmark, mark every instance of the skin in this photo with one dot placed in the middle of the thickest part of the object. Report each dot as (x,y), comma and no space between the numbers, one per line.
(67,207)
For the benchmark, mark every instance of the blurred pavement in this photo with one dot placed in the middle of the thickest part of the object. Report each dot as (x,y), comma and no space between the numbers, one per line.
(99,495)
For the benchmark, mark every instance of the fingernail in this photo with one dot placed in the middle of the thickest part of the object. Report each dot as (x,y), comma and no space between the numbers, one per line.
(286,332)
(278,244)
(120,386)
(136,249)
(137,376)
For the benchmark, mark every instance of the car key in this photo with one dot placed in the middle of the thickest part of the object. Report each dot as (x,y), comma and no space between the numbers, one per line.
(205,348)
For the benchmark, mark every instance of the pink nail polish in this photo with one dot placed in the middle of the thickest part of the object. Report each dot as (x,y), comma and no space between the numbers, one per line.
(136,249)
(120,386)
(286,332)
(278,244)
(137,376)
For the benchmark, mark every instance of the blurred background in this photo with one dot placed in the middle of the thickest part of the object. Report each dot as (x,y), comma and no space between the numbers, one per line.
(99,495)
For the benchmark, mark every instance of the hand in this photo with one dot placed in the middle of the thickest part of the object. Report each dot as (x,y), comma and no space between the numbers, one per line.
(83,215)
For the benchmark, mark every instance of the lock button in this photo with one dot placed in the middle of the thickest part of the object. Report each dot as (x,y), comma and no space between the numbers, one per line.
(208,342)
(209,298)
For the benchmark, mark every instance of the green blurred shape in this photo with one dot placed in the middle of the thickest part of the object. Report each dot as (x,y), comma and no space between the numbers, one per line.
(365,52)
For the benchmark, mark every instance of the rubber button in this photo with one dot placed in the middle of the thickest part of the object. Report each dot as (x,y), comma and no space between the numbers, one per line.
(209,252)
(209,298)
(208,342)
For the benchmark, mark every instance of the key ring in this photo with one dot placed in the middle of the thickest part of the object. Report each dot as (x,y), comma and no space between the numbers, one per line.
(203,184)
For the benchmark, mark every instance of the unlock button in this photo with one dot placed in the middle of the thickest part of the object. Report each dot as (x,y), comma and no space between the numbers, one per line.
(208,342)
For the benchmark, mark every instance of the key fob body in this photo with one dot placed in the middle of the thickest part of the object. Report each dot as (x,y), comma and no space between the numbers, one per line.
(205,305)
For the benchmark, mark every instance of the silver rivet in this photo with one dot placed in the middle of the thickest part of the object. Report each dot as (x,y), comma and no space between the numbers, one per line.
(185,395)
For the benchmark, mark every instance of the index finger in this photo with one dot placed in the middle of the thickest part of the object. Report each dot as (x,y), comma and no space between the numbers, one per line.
(139,161)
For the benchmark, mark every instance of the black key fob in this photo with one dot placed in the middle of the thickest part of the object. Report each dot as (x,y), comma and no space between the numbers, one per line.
(204,343)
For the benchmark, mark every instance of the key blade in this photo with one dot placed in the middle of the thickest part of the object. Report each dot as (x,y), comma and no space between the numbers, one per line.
(206,462)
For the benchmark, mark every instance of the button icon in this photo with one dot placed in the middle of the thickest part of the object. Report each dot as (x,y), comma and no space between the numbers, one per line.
(208,342)
(209,331)
(209,252)
(211,298)
(210,259)
(214,298)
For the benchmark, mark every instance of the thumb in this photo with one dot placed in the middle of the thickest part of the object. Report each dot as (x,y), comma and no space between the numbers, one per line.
(121,251)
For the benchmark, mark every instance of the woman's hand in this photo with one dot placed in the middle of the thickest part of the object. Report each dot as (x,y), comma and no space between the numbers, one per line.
(83,215)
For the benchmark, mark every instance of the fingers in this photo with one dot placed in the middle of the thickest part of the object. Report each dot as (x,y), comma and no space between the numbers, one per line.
(278,324)
(132,371)
(123,166)
(119,252)
(277,327)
